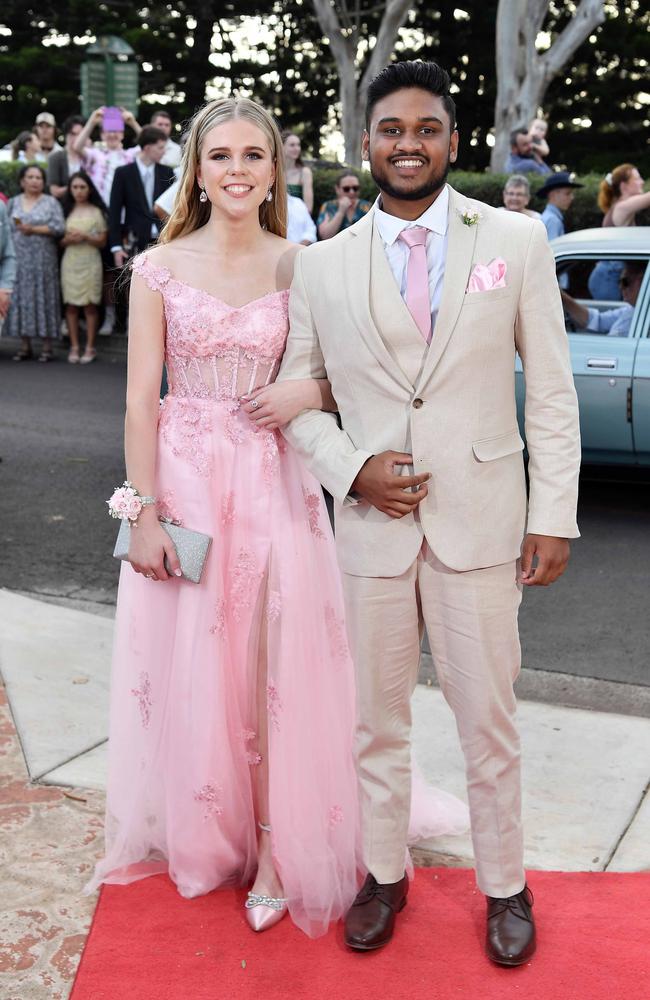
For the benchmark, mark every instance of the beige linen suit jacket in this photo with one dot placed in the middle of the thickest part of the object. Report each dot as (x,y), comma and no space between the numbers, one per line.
(452,406)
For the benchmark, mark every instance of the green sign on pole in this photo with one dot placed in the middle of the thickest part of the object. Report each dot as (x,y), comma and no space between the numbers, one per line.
(110,76)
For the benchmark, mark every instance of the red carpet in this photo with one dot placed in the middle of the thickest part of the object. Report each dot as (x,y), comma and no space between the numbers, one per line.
(146,943)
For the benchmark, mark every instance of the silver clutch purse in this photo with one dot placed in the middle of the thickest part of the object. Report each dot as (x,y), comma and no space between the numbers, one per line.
(191,548)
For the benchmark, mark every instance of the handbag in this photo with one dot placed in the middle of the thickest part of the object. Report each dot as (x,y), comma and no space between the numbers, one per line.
(192,548)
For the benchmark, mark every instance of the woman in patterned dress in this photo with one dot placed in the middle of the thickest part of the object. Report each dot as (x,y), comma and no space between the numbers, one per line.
(38,224)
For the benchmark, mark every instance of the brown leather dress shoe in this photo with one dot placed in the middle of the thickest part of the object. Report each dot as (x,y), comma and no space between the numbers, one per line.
(371,919)
(510,928)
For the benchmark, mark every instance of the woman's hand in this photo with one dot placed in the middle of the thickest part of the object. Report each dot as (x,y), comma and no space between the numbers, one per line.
(25,228)
(75,236)
(275,405)
(149,545)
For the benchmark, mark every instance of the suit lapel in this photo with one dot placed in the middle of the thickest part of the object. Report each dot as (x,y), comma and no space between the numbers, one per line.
(458,266)
(357,262)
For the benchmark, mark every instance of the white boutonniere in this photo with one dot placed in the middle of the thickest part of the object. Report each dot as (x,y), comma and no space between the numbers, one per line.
(469,218)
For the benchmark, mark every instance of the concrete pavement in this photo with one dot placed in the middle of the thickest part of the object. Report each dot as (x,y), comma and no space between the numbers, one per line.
(586,785)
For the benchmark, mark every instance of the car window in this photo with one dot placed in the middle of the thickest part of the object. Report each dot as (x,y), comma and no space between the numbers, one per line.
(600,296)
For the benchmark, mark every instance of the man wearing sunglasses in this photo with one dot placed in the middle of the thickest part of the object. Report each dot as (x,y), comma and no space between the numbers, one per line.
(613,322)
(345,210)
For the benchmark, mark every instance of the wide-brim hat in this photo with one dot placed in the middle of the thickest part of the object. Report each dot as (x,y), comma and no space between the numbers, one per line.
(561,179)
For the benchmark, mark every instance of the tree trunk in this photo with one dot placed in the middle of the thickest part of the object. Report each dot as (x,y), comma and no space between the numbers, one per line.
(523,73)
(352,90)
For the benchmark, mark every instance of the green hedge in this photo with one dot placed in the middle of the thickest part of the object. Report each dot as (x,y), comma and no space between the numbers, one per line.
(584,213)
(9,177)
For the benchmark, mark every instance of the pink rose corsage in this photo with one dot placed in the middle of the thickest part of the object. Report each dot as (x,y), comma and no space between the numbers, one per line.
(126,503)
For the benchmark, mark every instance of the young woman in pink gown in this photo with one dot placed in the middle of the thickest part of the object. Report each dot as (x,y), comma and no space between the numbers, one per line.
(232,705)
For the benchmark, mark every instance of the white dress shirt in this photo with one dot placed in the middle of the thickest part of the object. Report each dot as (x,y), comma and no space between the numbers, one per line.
(300,225)
(147,176)
(435,219)
(173,154)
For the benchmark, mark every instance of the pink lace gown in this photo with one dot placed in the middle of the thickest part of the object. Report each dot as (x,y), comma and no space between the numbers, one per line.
(188,659)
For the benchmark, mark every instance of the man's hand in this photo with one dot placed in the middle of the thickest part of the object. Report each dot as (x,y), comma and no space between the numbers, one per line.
(552,559)
(5,302)
(377,483)
(119,258)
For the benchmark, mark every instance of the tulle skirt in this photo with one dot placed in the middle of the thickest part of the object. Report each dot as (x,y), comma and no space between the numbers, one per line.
(201,671)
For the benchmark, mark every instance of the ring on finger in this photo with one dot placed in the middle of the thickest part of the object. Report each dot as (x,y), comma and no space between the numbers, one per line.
(254,404)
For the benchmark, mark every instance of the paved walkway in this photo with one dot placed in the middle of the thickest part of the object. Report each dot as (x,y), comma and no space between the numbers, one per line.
(586,787)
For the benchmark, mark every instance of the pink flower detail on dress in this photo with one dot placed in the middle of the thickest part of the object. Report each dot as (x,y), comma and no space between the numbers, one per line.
(273,706)
(253,757)
(219,625)
(270,457)
(228,508)
(166,507)
(233,424)
(336,816)
(313,506)
(143,694)
(273,606)
(336,634)
(186,426)
(210,795)
(248,735)
(244,577)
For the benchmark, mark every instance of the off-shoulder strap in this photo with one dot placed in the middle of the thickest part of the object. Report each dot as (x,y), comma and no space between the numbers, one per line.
(154,275)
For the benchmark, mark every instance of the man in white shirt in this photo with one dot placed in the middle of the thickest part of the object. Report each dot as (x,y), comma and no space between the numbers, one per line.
(172,156)
(613,322)
(301,228)
(132,222)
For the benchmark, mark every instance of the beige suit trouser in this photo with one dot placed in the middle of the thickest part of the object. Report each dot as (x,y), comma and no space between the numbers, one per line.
(471,621)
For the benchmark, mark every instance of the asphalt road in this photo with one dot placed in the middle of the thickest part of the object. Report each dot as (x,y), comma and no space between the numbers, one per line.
(61,449)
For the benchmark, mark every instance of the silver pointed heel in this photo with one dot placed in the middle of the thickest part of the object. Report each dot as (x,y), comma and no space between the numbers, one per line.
(263,912)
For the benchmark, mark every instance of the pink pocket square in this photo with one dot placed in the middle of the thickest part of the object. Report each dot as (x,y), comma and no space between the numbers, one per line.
(485,277)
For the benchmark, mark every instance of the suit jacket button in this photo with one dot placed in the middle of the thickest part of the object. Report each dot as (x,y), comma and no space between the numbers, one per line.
(417,402)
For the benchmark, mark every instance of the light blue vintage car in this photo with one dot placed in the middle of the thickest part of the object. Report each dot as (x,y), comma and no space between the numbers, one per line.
(611,372)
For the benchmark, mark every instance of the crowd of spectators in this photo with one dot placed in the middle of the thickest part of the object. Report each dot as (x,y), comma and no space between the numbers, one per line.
(86,206)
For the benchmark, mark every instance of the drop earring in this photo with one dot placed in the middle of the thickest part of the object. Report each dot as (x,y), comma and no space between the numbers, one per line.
(269,195)
(203,196)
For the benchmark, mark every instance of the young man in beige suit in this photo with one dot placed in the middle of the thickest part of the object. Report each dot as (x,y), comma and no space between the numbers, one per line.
(414,315)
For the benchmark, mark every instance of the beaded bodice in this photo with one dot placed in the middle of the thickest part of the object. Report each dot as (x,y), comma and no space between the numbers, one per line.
(213,350)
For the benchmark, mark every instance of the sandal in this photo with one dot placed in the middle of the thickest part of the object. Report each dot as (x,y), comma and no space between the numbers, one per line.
(88,355)
(45,356)
(73,356)
(23,356)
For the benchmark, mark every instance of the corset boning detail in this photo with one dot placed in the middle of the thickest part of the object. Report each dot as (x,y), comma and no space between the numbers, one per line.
(219,376)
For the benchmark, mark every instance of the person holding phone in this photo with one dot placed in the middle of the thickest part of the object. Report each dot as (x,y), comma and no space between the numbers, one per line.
(100,162)
(345,210)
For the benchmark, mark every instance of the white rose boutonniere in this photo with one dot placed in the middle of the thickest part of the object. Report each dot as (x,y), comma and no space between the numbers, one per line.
(469,218)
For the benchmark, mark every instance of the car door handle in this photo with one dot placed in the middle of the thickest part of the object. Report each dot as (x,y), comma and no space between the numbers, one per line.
(609,363)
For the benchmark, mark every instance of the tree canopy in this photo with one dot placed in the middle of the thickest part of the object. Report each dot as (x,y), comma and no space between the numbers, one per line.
(275,52)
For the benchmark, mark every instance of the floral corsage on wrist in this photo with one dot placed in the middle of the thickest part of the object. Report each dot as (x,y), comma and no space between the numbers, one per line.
(126,503)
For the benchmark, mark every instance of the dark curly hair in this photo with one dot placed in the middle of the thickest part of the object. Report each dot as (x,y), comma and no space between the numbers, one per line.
(413,73)
(32,166)
(94,197)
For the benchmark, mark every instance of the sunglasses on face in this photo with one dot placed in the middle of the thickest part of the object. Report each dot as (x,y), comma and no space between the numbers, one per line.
(350,188)
(624,282)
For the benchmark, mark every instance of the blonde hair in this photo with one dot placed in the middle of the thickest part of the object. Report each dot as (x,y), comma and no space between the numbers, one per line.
(189,214)
(610,188)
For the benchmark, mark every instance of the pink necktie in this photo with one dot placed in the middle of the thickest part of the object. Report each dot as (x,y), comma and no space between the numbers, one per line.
(417,278)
